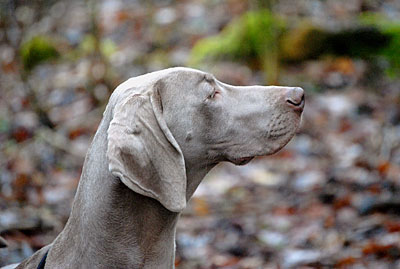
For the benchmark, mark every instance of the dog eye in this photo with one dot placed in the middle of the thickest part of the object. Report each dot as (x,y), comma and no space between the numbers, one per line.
(215,94)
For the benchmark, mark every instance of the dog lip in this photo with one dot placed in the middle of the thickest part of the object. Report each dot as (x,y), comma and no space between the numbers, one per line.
(242,160)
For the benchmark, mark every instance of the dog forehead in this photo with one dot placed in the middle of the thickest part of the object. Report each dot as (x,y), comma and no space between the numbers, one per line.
(142,83)
(182,77)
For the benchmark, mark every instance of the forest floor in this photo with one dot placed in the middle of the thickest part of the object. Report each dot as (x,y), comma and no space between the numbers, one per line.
(329,199)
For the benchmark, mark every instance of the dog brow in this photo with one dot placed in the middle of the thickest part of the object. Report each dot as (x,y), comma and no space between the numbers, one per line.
(209,78)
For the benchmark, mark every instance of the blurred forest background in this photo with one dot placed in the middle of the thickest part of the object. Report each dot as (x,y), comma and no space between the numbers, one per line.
(330,199)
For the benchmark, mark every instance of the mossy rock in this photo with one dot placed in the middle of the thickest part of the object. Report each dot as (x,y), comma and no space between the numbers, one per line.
(37,50)
(265,39)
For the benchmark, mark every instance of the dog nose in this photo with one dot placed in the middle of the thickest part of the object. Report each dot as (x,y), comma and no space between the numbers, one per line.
(295,98)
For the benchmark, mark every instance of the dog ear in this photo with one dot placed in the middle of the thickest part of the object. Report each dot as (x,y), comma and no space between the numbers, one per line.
(143,153)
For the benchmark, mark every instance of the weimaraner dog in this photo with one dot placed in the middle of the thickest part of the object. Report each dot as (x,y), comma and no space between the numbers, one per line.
(160,135)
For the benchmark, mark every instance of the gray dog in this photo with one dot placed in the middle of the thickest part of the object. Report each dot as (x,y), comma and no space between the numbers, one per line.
(160,135)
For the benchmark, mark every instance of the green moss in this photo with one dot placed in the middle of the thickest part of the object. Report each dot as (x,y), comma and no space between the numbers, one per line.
(37,50)
(390,28)
(248,36)
(224,45)
(392,53)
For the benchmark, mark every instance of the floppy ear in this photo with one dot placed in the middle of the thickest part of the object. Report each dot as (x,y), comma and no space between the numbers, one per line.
(143,153)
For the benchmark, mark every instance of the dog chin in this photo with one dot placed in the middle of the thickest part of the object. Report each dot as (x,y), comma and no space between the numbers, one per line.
(282,142)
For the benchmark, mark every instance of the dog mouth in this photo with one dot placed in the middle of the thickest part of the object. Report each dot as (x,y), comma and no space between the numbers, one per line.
(241,161)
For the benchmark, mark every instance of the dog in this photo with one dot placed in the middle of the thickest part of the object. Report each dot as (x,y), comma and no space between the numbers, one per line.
(160,135)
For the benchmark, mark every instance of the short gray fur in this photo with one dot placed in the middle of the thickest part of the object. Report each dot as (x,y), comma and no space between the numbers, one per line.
(160,135)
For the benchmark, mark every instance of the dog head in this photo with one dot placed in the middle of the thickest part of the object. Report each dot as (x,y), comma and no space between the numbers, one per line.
(166,121)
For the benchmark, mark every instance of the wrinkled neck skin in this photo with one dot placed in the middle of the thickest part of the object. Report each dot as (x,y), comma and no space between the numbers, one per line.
(113,227)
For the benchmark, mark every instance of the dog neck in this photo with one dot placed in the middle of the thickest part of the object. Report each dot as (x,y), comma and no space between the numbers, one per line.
(111,226)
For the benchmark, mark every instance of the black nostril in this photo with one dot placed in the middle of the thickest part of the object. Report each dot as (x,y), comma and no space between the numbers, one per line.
(293,102)
(295,98)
